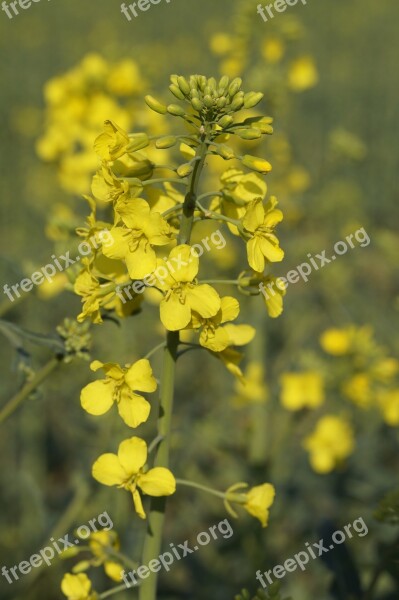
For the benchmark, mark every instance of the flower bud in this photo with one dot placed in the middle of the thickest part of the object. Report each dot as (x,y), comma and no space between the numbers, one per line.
(166,142)
(234,86)
(176,110)
(197,104)
(183,85)
(155,105)
(237,103)
(208,101)
(184,170)
(137,141)
(225,152)
(176,91)
(256,164)
(248,134)
(226,121)
(224,82)
(252,99)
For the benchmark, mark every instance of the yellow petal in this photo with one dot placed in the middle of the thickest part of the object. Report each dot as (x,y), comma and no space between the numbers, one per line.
(256,259)
(139,376)
(204,300)
(113,570)
(76,586)
(174,314)
(141,262)
(132,454)
(184,266)
(133,409)
(120,243)
(215,341)
(270,249)
(108,470)
(158,482)
(138,504)
(230,308)
(240,335)
(97,397)
(254,216)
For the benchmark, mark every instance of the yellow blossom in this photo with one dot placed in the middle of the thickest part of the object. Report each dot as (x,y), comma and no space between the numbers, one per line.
(182,295)
(127,470)
(258,223)
(389,404)
(302,390)
(100,543)
(331,442)
(358,389)
(113,143)
(213,336)
(120,387)
(77,587)
(336,341)
(302,74)
(133,243)
(256,501)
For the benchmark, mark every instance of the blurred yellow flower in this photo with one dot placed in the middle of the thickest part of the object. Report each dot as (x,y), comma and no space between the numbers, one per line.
(273,49)
(358,389)
(302,74)
(77,587)
(336,341)
(302,390)
(252,388)
(127,470)
(389,404)
(101,544)
(120,387)
(258,501)
(331,442)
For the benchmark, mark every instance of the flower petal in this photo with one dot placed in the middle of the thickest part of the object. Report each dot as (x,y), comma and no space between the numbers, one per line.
(97,397)
(158,482)
(139,376)
(204,300)
(108,470)
(182,264)
(138,504)
(174,314)
(230,308)
(132,454)
(133,409)
(256,259)
(120,243)
(254,216)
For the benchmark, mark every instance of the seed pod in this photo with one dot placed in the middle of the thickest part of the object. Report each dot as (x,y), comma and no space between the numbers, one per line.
(197,104)
(176,91)
(176,110)
(166,142)
(256,164)
(184,170)
(137,141)
(252,99)
(183,85)
(226,121)
(248,134)
(155,105)
(234,86)
(208,101)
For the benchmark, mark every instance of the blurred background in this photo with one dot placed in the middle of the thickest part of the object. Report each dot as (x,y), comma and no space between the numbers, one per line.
(329,76)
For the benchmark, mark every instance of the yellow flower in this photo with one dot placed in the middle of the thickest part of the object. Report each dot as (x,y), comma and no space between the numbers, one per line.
(127,470)
(99,543)
(336,341)
(256,501)
(213,336)
(133,243)
(358,389)
(259,500)
(302,74)
(258,223)
(120,386)
(273,291)
(273,49)
(238,335)
(113,143)
(389,404)
(331,442)
(182,295)
(302,390)
(106,187)
(77,587)
(252,388)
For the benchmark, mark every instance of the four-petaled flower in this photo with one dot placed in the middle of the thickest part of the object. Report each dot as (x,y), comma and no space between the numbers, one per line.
(127,470)
(120,386)
(112,143)
(77,587)
(258,224)
(143,229)
(182,295)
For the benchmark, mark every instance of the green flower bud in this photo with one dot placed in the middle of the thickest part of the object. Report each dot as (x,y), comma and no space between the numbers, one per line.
(225,152)
(212,83)
(176,91)
(174,79)
(183,85)
(184,170)
(155,105)
(201,82)
(142,169)
(197,104)
(208,101)
(248,134)
(194,93)
(224,82)
(252,99)
(237,103)
(221,103)
(176,110)
(137,141)
(256,164)
(226,121)
(166,142)
(234,86)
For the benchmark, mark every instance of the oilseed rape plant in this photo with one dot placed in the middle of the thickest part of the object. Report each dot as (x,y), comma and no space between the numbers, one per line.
(151,210)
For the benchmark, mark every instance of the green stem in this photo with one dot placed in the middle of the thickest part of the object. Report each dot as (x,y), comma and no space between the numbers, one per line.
(156,517)
(30,387)
(115,590)
(201,487)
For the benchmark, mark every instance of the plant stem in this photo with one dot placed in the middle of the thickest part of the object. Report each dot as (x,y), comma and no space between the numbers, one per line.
(30,387)
(156,517)
(201,487)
